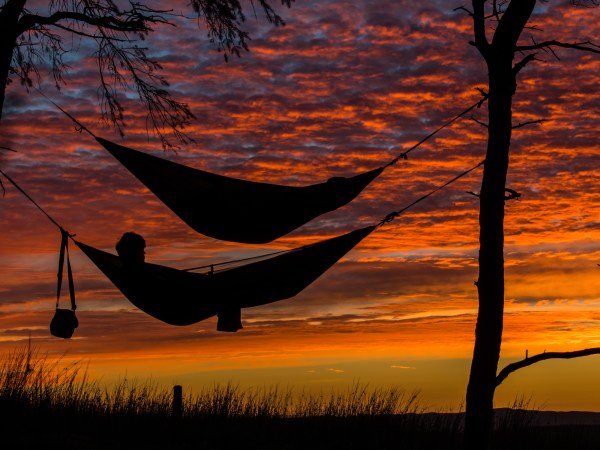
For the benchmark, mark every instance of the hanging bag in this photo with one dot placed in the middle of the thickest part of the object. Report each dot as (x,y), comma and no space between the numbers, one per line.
(65,321)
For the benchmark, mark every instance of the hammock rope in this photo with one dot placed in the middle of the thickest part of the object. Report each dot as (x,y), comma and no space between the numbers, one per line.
(477,104)
(64,249)
(234,261)
(391,216)
(14,183)
(404,155)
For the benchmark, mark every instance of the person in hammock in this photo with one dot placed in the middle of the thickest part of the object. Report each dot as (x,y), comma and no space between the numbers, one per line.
(131,248)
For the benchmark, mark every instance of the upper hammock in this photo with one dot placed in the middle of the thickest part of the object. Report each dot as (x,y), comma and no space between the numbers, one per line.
(232,209)
(237,210)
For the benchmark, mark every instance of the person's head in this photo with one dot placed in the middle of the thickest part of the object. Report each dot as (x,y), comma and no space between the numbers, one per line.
(131,247)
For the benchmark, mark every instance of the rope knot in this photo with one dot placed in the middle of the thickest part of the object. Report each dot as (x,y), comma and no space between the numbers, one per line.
(391,216)
(65,234)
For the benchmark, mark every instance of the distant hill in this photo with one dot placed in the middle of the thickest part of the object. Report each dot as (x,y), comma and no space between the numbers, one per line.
(553,418)
(521,418)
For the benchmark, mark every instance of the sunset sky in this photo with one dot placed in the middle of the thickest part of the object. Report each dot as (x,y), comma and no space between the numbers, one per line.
(344,87)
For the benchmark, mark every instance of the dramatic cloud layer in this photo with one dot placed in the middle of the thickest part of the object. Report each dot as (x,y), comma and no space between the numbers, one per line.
(342,88)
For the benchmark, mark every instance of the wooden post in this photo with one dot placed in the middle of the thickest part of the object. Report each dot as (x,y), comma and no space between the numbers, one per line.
(177,402)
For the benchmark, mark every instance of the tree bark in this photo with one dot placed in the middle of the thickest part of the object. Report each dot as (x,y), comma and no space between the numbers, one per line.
(9,32)
(490,284)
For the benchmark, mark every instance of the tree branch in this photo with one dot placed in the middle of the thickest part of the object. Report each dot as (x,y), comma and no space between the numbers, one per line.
(465,9)
(131,24)
(84,34)
(521,64)
(504,373)
(481,41)
(513,22)
(163,111)
(512,194)
(117,27)
(586,46)
(483,124)
(529,122)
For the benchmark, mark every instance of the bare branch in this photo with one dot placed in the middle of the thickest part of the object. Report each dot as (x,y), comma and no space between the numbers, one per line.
(483,124)
(513,22)
(38,45)
(504,373)
(529,122)
(117,28)
(224,19)
(586,46)
(533,28)
(511,194)
(481,41)
(497,10)
(521,64)
(495,14)
(29,21)
(465,9)
(83,33)
(163,111)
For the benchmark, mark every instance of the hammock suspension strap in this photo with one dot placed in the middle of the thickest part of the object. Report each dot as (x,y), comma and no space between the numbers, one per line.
(391,216)
(404,155)
(64,248)
(79,126)
(14,183)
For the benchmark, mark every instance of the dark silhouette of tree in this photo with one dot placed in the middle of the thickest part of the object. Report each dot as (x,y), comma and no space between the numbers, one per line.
(508,19)
(31,38)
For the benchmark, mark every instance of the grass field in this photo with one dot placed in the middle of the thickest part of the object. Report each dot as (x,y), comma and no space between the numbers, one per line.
(47,405)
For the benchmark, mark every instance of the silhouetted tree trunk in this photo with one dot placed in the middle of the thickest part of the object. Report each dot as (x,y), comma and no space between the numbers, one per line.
(499,56)
(9,18)
(490,285)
